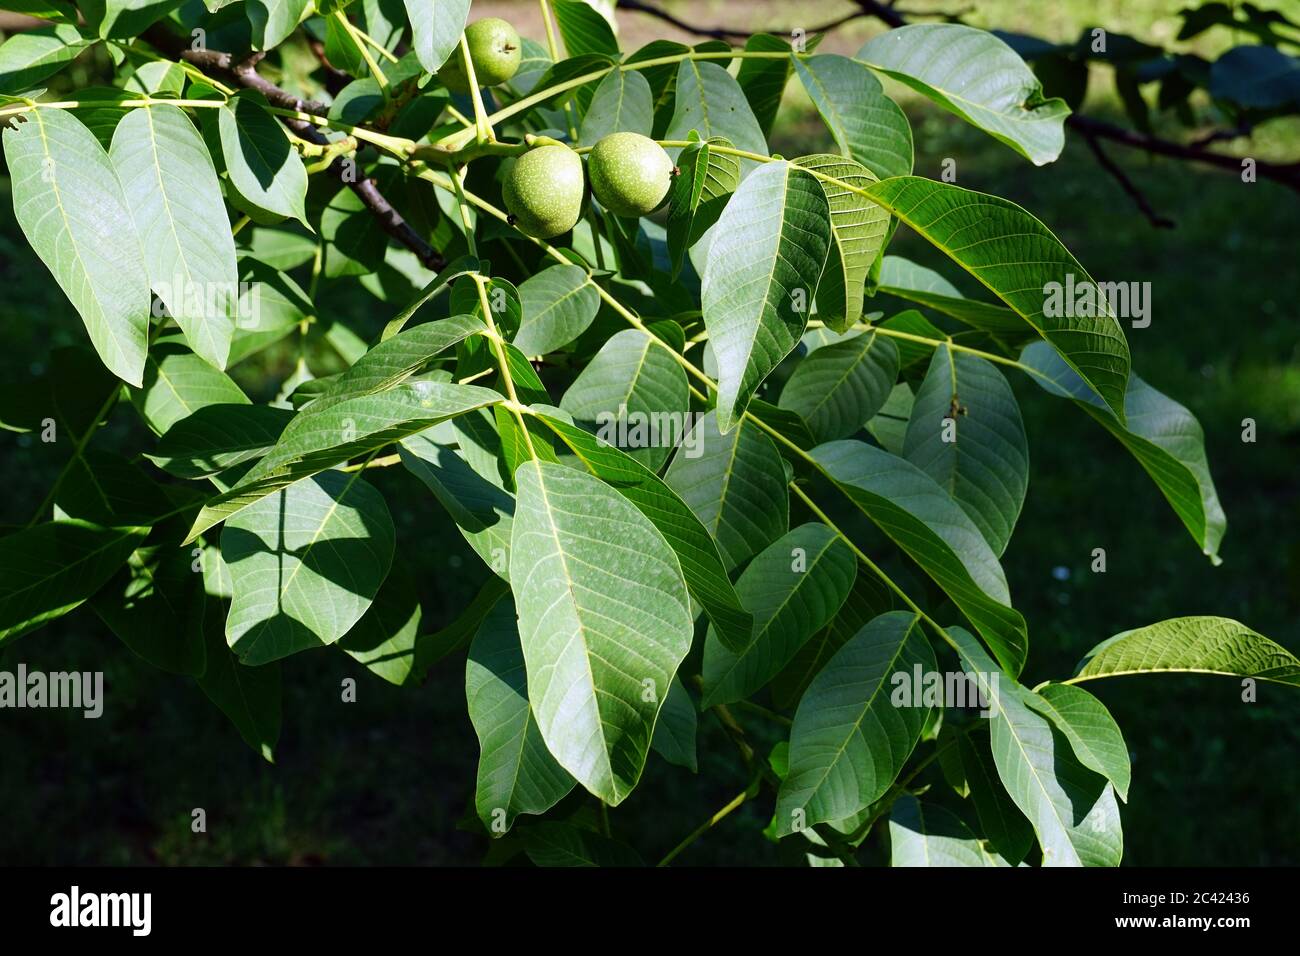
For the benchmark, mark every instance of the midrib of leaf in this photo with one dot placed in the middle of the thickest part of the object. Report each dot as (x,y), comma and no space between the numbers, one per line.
(167,208)
(562,299)
(771,272)
(582,630)
(164,377)
(320,528)
(975,270)
(1044,793)
(951,483)
(123,532)
(636,372)
(1168,670)
(704,100)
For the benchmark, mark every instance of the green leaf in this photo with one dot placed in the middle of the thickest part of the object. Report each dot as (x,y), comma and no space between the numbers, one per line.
(314,442)
(584,30)
(561,844)
(1072,809)
(913,323)
(907,280)
(516,773)
(264,167)
(566,70)
(966,433)
(442,281)
(622,103)
(49,569)
(933,836)
(794,587)
(1257,76)
(456,636)
(249,696)
(559,304)
(436,26)
(975,75)
(121,19)
(698,195)
(396,359)
(30,56)
(889,426)
(920,518)
(674,737)
(868,599)
(281,306)
(217,437)
(972,228)
(763,79)
(702,566)
(867,125)
(860,229)
(1008,832)
(468,485)
(736,485)
(177,383)
(1195,645)
(769,247)
(1091,730)
(711,102)
(604,616)
(850,739)
(69,203)
(1161,434)
(633,396)
(171,188)
(386,639)
(274,20)
(839,387)
(305,564)
(155,605)
(341,48)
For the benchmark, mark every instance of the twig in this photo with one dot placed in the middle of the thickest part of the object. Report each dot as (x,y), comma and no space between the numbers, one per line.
(1121,177)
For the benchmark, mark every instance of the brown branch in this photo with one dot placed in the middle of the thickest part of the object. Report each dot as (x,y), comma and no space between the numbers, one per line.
(723,33)
(1138,197)
(1288,174)
(244,73)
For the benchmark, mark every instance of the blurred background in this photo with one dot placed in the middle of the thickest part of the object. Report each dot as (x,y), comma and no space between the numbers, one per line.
(389,779)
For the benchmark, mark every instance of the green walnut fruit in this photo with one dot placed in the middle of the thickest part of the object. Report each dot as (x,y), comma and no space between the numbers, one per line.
(544,191)
(494,49)
(630,174)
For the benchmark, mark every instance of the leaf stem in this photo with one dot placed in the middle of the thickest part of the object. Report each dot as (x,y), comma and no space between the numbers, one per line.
(482,125)
(710,823)
(498,346)
(342,20)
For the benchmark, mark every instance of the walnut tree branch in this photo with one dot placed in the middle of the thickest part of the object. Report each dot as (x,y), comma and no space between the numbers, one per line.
(244,73)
